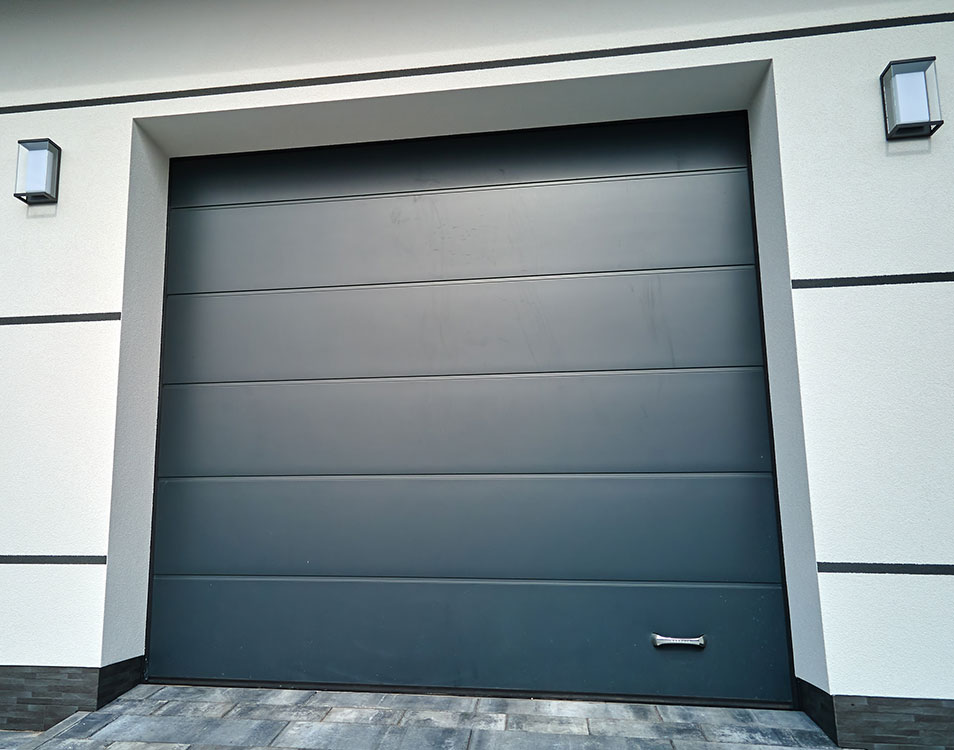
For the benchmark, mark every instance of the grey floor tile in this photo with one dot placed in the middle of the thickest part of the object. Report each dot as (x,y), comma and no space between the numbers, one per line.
(147,746)
(140,692)
(547,724)
(812,738)
(135,707)
(232,695)
(491,740)
(11,740)
(67,744)
(783,719)
(346,699)
(429,702)
(748,734)
(646,729)
(310,736)
(193,708)
(190,730)
(692,745)
(297,712)
(87,726)
(706,715)
(578,709)
(454,720)
(343,715)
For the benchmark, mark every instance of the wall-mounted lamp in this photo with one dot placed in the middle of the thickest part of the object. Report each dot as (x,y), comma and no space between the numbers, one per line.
(38,171)
(912,107)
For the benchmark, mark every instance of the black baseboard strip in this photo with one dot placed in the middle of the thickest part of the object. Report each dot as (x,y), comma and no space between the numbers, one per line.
(819,706)
(37,698)
(118,678)
(872,723)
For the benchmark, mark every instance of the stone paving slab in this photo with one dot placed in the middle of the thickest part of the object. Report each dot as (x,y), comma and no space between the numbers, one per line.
(454,720)
(547,724)
(489,740)
(584,709)
(194,708)
(295,712)
(190,730)
(364,715)
(758,735)
(11,740)
(231,695)
(427,702)
(645,729)
(309,736)
(179,717)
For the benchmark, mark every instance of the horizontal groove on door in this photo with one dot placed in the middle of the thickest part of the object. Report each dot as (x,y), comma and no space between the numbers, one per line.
(453,282)
(488,475)
(768,585)
(469,376)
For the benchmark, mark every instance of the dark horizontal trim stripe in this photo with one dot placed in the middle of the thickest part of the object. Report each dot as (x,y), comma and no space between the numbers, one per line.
(52,559)
(68,318)
(513,62)
(898,568)
(900,278)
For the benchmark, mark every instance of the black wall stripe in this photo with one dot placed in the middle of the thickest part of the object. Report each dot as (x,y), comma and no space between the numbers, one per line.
(52,559)
(68,318)
(513,62)
(901,278)
(902,568)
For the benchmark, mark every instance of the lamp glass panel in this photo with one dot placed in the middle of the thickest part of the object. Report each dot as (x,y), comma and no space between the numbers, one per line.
(36,168)
(911,101)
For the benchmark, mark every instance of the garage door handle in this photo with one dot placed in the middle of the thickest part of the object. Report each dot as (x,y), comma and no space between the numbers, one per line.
(665,640)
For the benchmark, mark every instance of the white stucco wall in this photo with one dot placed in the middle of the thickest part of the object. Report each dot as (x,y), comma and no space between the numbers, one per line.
(833,199)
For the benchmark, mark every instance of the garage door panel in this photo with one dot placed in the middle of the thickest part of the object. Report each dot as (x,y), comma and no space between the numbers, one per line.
(491,635)
(666,222)
(629,321)
(715,527)
(663,421)
(484,159)
(483,411)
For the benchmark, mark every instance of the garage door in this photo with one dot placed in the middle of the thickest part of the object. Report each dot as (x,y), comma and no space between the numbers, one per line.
(480,412)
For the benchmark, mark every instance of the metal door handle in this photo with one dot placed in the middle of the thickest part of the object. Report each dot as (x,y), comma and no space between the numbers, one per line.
(665,640)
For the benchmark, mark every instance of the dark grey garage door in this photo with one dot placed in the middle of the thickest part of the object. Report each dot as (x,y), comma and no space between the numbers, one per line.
(476,412)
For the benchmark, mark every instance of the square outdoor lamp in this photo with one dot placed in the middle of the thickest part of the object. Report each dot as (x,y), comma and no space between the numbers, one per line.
(38,171)
(912,107)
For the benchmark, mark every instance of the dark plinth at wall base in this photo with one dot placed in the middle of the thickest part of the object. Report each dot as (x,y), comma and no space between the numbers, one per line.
(38,697)
(880,723)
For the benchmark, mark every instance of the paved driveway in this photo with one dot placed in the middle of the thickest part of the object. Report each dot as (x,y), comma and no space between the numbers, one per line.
(157,717)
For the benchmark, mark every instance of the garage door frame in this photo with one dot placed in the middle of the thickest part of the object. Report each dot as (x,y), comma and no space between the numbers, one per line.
(157,138)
